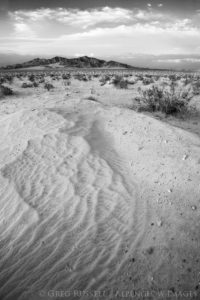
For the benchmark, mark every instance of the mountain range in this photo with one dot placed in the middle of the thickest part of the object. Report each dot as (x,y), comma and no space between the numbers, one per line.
(80,62)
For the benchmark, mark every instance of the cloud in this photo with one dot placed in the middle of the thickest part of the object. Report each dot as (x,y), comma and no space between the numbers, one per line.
(100,31)
(74,17)
(180,28)
(179,60)
(22,30)
(149,5)
(75,20)
(160,5)
(83,54)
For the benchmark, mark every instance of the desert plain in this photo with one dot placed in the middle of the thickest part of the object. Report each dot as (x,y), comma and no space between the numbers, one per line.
(99,185)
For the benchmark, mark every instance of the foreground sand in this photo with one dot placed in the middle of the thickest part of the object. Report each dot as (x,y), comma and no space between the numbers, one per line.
(96,198)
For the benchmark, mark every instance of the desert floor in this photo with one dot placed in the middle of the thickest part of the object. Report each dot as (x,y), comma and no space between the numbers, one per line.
(97,200)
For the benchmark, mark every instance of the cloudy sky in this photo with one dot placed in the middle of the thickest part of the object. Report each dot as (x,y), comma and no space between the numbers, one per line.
(154,33)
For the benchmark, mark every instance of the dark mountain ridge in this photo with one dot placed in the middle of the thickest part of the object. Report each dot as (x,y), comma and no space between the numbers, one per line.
(80,62)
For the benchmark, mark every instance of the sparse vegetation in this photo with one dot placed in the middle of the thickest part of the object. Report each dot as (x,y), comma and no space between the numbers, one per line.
(166,100)
(168,93)
(81,77)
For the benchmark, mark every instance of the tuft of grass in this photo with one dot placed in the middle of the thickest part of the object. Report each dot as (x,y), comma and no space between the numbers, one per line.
(169,101)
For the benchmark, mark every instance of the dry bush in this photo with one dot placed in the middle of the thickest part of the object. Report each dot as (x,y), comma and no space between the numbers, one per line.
(168,100)
(188,80)
(81,77)
(147,80)
(26,85)
(66,76)
(196,87)
(8,78)
(2,80)
(31,77)
(120,82)
(35,84)
(19,76)
(104,79)
(131,81)
(6,91)
(48,86)
(67,83)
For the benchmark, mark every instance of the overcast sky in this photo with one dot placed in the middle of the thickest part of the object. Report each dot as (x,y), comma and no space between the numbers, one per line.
(146,33)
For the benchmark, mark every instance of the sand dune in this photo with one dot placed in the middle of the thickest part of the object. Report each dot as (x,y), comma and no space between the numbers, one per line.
(79,194)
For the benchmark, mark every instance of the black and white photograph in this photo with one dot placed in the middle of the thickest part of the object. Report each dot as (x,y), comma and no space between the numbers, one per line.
(100,149)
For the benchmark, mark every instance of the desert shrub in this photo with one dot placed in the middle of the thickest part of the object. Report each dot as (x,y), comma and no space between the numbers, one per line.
(156,77)
(35,84)
(147,80)
(6,91)
(42,80)
(188,80)
(31,77)
(168,101)
(48,86)
(19,76)
(8,79)
(66,76)
(120,82)
(81,77)
(139,77)
(104,79)
(2,80)
(172,77)
(26,85)
(131,81)
(67,83)
(196,87)
(56,78)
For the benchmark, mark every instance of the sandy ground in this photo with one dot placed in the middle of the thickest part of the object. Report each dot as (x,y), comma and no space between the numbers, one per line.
(95,197)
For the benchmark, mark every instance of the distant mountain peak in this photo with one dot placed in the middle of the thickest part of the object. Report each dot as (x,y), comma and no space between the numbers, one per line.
(79,62)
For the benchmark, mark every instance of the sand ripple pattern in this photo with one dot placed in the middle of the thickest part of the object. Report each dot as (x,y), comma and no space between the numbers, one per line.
(68,212)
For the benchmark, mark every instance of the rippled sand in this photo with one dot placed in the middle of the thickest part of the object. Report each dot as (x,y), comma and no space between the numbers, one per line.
(96,199)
